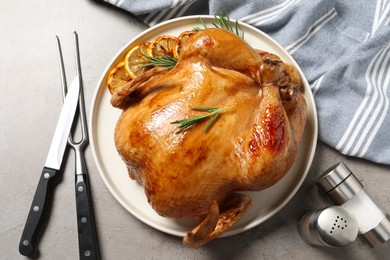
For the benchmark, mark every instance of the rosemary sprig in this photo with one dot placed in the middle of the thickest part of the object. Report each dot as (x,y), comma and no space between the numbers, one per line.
(213,112)
(223,22)
(203,23)
(164,61)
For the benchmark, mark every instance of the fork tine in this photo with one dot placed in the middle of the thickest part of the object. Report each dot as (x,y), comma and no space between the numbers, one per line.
(62,68)
(64,86)
(77,54)
(83,118)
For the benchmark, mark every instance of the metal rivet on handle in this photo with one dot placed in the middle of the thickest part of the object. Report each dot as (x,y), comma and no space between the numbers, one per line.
(46,175)
(25,242)
(36,208)
(87,253)
(83,219)
(80,188)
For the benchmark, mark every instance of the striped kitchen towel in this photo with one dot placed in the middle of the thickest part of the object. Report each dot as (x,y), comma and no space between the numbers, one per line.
(343,48)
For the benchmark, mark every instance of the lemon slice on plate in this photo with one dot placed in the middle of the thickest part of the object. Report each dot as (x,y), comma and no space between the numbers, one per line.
(181,39)
(135,59)
(161,46)
(117,77)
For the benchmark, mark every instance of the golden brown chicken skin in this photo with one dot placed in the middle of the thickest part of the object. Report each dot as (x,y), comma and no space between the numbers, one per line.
(250,146)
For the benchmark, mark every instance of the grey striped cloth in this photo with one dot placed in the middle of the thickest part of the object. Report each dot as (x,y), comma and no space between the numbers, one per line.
(343,48)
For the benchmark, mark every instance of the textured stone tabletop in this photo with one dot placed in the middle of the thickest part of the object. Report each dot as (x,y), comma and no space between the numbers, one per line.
(30,102)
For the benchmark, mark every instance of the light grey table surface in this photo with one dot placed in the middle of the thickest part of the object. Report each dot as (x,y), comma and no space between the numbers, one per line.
(30,102)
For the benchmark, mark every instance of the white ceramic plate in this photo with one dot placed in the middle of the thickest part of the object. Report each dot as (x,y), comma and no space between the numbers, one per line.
(131,196)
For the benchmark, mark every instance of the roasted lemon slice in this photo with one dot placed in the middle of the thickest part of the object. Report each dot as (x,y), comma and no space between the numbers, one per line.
(183,37)
(161,46)
(117,77)
(135,60)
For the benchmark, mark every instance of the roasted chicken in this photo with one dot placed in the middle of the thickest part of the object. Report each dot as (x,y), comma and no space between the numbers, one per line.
(249,146)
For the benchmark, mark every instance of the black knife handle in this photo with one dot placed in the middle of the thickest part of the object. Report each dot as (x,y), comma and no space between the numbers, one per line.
(88,243)
(37,213)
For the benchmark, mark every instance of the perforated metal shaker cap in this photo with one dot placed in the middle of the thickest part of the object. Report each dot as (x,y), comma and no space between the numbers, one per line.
(333,227)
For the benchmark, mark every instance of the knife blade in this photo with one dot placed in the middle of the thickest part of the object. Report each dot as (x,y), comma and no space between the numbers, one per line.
(38,209)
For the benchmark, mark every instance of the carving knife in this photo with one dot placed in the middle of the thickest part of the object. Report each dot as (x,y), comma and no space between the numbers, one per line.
(38,209)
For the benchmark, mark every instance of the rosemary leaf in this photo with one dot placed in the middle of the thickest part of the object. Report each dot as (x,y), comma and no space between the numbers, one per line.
(209,123)
(165,61)
(186,123)
(203,23)
(216,25)
(224,22)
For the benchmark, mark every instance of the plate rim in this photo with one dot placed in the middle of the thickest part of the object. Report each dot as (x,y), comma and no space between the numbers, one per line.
(252,224)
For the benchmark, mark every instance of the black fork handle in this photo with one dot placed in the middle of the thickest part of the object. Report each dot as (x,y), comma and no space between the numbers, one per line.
(88,242)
